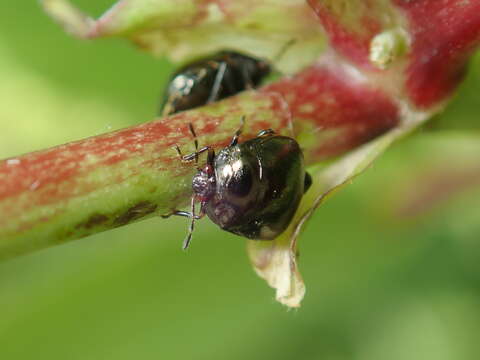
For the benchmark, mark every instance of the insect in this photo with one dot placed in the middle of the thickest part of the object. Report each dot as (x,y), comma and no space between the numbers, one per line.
(251,189)
(214,78)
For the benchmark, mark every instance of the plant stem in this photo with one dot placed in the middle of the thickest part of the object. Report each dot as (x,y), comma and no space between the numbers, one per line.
(74,190)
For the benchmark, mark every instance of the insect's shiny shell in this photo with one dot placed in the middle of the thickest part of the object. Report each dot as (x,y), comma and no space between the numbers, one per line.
(194,84)
(258,186)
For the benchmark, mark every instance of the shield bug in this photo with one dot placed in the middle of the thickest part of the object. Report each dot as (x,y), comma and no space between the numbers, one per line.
(251,189)
(214,78)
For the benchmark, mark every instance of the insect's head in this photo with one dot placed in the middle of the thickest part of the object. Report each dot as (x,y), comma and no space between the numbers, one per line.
(203,183)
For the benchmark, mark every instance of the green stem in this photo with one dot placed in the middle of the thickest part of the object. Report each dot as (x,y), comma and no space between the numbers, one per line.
(99,183)
(77,189)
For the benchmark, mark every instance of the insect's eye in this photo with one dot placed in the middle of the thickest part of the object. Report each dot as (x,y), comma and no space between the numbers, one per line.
(241,183)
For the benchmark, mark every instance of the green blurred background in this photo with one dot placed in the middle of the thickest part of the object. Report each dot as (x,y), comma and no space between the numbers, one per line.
(392,263)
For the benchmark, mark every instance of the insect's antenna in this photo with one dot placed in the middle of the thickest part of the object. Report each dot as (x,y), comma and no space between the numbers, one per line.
(195,141)
(238,132)
(187,240)
(283,50)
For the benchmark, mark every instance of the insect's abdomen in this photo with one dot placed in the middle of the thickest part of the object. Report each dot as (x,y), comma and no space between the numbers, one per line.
(278,186)
(283,177)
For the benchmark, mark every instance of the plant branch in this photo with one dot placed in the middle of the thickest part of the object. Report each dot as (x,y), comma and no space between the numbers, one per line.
(96,184)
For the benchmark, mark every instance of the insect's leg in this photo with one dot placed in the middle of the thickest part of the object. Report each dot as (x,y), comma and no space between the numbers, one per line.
(238,132)
(187,240)
(179,152)
(177,148)
(267,132)
(307,182)
(194,156)
(201,214)
(179,213)
(284,49)
(217,83)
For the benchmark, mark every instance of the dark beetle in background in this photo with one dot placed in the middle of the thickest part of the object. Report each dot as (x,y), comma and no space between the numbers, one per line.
(211,79)
(251,189)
